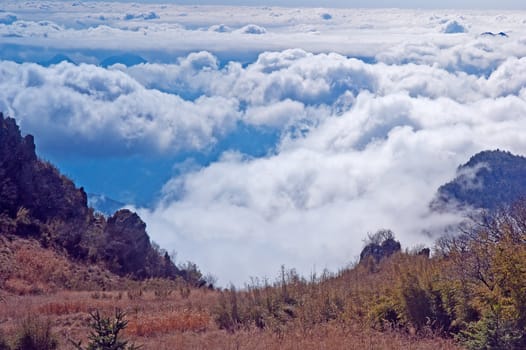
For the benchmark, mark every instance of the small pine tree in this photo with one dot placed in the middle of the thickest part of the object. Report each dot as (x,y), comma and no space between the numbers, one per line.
(105,334)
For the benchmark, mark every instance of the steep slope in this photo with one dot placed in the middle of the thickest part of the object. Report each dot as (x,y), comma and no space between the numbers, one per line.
(489,180)
(37,202)
(30,183)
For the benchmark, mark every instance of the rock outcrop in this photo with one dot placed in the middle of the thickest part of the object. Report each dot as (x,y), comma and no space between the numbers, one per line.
(127,243)
(381,245)
(37,201)
(380,251)
(26,182)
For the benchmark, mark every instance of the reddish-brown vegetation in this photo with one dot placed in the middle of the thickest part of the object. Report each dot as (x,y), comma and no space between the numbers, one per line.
(165,314)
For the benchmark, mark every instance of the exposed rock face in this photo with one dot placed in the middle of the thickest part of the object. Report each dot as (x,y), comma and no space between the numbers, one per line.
(37,201)
(127,243)
(27,182)
(380,251)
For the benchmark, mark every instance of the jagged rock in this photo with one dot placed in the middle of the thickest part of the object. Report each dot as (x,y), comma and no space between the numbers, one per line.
(501,34)
(27,182)
(379,251)
(424,252)
(127,243)
(37,201)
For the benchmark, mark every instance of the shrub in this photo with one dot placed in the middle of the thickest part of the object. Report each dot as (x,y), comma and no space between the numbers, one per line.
(384,315)
(106,333)
(494,331)
(227,311)
(35,334)
(415,301)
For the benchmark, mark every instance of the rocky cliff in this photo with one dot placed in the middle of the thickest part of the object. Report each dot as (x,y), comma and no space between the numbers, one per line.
(37,201)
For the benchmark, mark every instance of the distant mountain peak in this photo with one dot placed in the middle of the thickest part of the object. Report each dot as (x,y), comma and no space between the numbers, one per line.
(104,204)
(489,180)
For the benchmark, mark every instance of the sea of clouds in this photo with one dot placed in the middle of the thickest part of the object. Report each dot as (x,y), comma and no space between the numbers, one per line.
(374,110)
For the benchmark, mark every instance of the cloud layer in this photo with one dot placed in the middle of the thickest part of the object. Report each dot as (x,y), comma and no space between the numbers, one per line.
(363,143)
(163,32)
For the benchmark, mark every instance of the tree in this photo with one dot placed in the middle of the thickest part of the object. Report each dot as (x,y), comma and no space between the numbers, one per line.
(105,334)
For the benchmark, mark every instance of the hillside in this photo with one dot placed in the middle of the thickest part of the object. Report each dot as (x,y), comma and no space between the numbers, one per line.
(39,203)
(489,180)
(59,261)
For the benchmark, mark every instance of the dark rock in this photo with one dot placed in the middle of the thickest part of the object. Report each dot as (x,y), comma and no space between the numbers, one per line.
(127,243)
(37,201)
(425,252)
(379,251)
(27,182)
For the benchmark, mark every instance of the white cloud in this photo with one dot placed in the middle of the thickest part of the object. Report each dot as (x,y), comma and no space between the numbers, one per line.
(252,29)
(107,112)
(220,28)
(141,16)
(376,166)
(223,30)
(362,146)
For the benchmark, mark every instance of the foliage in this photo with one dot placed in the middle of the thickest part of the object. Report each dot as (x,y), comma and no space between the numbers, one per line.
(493,332)
(473,288)
(488,180)
(105,334)
(384,315)
(191,274)
(379,236)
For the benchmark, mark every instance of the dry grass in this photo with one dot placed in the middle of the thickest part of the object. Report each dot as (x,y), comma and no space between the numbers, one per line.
(165,315)
(329,337)
(175,322)
(184,321)
(28,268)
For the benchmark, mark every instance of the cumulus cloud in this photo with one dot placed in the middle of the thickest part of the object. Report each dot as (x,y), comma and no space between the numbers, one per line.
(359,33)
(101,111)
(31,29)
(363,144)
(376,165)
(252,29)
(220,28)
(454,27)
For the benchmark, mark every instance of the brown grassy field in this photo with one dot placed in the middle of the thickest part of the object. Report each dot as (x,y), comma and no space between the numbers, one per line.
(41,285)
(169,320)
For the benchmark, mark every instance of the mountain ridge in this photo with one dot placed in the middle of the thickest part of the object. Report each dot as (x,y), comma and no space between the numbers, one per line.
(38,202)
(489,180)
